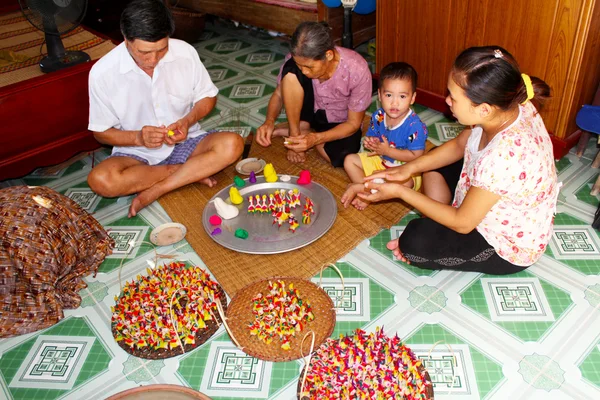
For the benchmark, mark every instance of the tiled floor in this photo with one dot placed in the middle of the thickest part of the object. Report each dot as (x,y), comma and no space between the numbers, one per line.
(535,335)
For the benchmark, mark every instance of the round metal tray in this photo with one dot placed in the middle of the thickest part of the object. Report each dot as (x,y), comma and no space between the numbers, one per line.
(264,237)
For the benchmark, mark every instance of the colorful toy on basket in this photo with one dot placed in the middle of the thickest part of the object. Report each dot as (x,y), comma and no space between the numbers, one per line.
(279,313)
(365,366)
(280,204)
(166,309)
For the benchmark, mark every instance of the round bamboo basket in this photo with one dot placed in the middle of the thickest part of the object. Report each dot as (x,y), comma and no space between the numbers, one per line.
(240,316)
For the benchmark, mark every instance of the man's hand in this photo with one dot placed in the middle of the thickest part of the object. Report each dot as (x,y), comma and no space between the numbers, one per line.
(294,157)
(377,146)
(300,143)
(177,132)
(152,136)
(264,133)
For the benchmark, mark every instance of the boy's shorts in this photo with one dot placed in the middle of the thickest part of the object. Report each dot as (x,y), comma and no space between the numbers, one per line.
(373,164)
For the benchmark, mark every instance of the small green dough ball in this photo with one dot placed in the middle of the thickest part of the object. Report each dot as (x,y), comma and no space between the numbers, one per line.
(239,182)
(241,233)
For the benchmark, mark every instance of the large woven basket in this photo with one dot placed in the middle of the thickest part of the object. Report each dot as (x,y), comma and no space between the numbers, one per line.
(202,335)
(240,316)
(429,394)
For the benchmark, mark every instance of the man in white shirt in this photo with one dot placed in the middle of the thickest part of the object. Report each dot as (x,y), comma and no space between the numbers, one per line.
(146,96)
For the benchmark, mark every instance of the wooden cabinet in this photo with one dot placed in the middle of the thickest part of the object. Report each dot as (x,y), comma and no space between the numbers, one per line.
(556,40)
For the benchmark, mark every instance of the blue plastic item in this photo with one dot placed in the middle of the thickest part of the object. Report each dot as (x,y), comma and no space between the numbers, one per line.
(588,118)
(332,3)
(365,6)
(362,6)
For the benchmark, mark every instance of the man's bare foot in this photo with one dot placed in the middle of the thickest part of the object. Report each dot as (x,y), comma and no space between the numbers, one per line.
(281,129)
(140,201)
(295,157)
(210,181)
(349,196)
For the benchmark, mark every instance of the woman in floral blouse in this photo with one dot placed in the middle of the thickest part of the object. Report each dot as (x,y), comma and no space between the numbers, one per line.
(500,170)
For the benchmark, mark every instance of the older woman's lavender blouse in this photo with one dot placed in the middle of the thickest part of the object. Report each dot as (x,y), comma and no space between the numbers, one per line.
(348,89)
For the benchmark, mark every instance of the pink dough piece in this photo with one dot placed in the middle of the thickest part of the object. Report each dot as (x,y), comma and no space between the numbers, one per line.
(215,220)
(304,178)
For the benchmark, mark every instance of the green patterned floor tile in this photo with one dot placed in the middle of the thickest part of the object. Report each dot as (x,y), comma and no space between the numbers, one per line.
(562,164)
(280,118)
(139,370)
(558,300)
(584,195)
(419,108)
(488,372)
(220,73)
(576,244)
(380,299)
(125,231)
(590,366)
(227,46)
(94,293)
(208,34)
(193,367)
(40,177)
(374,106)
(260,58)
(379,242)
(275,71)
(247,91)
(97,360)
(444,130)
(87,199)
(213,113)
(242,128)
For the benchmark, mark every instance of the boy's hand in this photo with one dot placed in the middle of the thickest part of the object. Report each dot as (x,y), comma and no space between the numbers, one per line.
(377,146)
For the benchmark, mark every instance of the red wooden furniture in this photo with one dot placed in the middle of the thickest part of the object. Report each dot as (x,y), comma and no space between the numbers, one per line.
(44,121)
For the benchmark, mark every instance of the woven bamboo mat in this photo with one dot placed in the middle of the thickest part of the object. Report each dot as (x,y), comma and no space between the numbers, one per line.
(235,270)
(22,47)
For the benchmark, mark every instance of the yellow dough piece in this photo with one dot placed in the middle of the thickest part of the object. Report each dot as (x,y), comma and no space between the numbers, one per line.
(270,174)
(234,196)
(170,133)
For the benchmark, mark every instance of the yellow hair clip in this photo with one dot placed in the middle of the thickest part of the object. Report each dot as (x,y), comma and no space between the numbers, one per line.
(528,87)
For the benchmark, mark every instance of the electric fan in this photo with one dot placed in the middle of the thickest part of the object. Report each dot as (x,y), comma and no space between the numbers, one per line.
(55,18)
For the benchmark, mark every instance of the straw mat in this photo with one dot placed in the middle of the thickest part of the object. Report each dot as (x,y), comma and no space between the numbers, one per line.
(235,270)
(22,47)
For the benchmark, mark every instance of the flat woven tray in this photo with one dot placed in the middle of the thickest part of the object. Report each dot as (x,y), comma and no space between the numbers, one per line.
(202,335)
(240,316)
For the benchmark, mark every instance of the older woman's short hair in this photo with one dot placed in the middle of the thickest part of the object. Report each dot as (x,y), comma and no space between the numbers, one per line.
(312,40)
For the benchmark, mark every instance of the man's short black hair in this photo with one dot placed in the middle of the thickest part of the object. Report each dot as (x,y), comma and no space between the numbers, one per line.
(147,20)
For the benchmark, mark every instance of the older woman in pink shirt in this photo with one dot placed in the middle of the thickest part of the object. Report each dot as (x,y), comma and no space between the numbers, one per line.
(325,90)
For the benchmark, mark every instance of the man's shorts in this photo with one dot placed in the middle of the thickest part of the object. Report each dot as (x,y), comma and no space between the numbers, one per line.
(372,164)
(181,152)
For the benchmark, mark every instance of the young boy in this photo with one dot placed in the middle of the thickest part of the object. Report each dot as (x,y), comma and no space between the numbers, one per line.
(396,134)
